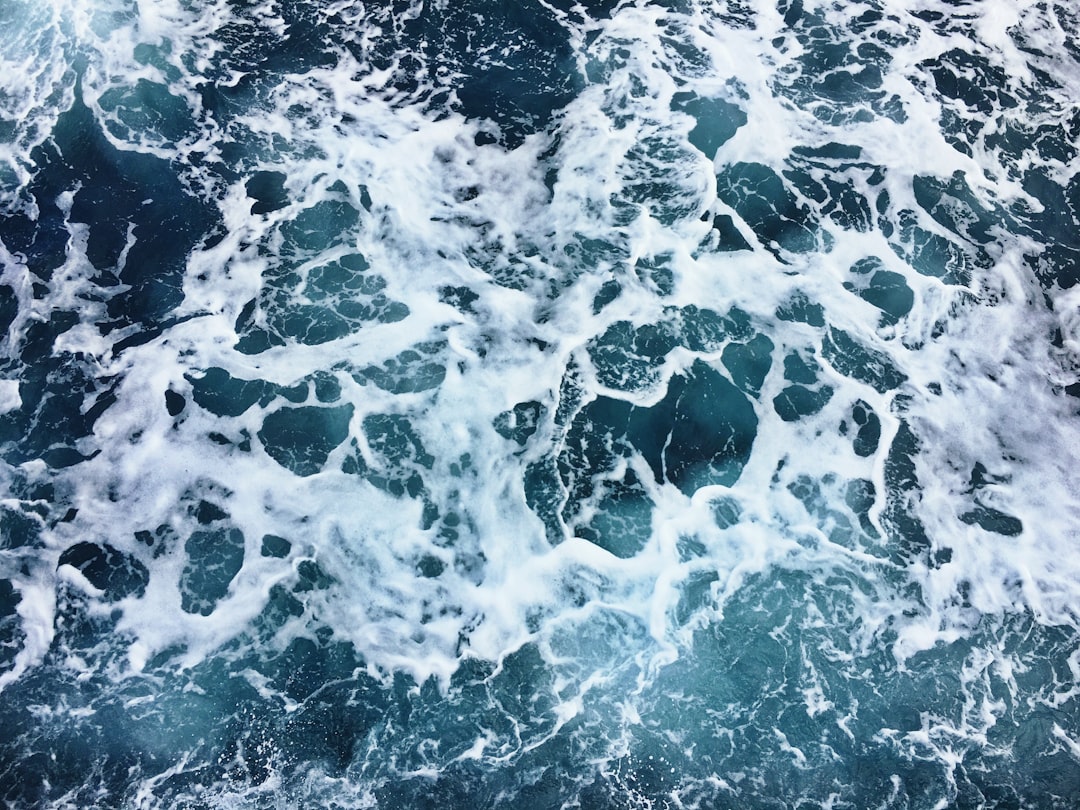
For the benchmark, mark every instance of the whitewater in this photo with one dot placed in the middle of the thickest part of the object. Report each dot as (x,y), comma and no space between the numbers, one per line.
(483,404)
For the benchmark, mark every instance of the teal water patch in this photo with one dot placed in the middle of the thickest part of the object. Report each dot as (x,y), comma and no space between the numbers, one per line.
(214,558)
(859,362)
(225,395)
(768,207)
(748,363)
(412,371)
(1055,262)
(699,434)
(108,569)
(146,110)
(660,178)
(333,301)
(301,439)
(800,309)
(267,189)
(867,428)
(935,255)
(629,358)
(12,636)
(806,395)
(798,401)
(885,289)
(400,458)
(840,79)
(715,120)
(902,488)
(520,423)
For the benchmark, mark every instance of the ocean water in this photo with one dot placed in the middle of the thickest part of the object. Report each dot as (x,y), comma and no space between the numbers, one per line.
(540,404)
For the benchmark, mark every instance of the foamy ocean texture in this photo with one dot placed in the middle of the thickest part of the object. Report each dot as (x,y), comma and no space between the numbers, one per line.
(540,404)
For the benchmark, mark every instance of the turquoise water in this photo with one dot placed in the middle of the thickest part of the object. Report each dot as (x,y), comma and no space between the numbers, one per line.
(539,405)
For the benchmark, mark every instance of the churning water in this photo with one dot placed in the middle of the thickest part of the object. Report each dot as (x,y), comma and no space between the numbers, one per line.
(540,404)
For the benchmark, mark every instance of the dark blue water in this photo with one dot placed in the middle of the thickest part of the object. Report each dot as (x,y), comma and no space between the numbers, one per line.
(539,405)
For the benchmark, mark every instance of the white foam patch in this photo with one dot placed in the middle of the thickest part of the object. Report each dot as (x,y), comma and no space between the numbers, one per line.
(9,396)
(35,610)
